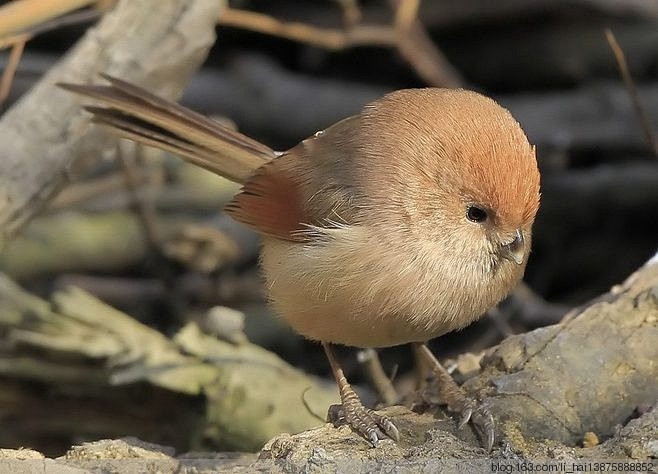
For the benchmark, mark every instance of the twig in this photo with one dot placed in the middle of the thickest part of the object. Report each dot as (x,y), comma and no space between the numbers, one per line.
(66,20)
(328,38)
(418,49)
(431,65)
(373,369)
(10,41)
(168,40)
(533,310)
(632,90)
(421,369)
(406,13)
(82,192)
(119,291)
(499,319)
(406,34)
(308,407)
(394,373)
(351,12)
(10,70)
(21,15)
(74,18)
(144,208)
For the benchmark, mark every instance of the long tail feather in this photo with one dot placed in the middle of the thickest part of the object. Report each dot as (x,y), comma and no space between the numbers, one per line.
(136,114)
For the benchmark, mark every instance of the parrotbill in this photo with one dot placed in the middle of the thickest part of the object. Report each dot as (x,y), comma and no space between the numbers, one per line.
(396,225)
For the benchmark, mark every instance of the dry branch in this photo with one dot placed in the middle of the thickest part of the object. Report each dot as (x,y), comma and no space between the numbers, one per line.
(380,382)
(407,34)
(153,43)
(20,15)
(642,118)
(82,16)
(90,351)
(332,39)
(10,69)
(114,241)
(91,228)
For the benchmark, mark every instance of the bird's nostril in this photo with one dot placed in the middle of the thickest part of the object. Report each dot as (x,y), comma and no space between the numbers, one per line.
(515,250)
(517,243)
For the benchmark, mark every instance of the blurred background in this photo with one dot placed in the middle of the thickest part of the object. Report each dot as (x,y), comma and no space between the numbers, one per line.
(150,239)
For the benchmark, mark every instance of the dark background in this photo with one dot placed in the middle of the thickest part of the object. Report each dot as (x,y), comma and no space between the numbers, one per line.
(547,61)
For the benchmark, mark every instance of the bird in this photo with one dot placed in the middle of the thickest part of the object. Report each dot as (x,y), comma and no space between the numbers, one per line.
(399,224)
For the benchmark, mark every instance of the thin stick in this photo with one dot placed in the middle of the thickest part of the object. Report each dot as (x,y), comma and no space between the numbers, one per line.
(418,49)
(632,91)
(74,18)
(351,12)
(328,38)
(66,20)
(144,208)
(308,407)
(20,15)
(10,41)
(406,13)
(373,369)
(10,70)
(499,319)
(406,34)
(84,191)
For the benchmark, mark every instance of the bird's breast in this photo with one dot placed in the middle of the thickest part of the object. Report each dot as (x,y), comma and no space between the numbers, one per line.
(350,288)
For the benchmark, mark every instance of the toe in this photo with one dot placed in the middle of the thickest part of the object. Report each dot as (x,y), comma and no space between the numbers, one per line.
(366,422)
(373,438)
(466,413)
(389,428)
(336,415)
(483,422)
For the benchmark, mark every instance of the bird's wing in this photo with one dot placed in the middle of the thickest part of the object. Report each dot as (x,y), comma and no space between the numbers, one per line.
(302,191)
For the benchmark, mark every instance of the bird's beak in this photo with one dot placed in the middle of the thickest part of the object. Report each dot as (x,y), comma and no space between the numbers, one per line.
(515,250)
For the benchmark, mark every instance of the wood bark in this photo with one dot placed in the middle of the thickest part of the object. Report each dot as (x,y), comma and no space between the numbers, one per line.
(152,43)
(74,366)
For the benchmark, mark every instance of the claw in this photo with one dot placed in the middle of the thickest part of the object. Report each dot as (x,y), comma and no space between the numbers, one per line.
(373,438)
(457,400)
(487,436)
(390,429)
(484,423)
(336,415)
(466,416)
(490,440)
(490,434)
(367,423)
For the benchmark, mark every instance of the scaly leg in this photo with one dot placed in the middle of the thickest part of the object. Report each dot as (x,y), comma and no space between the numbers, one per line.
(351,411)
(456,399)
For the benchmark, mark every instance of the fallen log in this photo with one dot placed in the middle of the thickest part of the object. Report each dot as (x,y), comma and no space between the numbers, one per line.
(76,368)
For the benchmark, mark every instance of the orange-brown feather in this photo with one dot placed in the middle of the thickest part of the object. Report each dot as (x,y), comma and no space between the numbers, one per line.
(141,116)
(365,237)
(271,203)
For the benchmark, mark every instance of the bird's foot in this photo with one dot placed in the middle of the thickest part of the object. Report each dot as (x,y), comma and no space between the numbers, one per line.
(478,414)
(366,422)
(452,395)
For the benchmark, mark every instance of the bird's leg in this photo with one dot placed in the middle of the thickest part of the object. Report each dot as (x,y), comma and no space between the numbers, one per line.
(351,411)
(456,399)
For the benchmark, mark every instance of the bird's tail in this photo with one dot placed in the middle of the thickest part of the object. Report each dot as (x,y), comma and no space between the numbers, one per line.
(145,118)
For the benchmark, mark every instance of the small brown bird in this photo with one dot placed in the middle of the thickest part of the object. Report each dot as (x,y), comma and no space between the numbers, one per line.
(396,225)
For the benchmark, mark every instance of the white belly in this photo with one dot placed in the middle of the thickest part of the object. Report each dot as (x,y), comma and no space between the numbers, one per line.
(352,290)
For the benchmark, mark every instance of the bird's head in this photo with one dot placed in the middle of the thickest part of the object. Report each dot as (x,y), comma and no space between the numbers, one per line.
(457,172)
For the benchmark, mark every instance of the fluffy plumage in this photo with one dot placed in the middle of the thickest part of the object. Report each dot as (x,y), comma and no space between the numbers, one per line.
(366,236)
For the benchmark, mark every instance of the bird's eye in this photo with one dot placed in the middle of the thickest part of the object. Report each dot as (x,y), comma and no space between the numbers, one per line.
(476,214)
